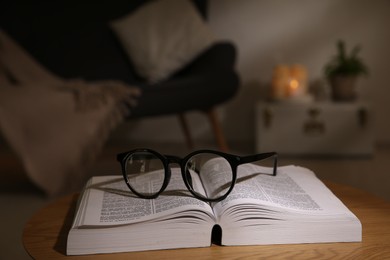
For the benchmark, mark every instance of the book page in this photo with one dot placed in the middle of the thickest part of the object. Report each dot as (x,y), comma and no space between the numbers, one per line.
(254,182)
(216,177)
(292,207)
(293,189)
(108,201)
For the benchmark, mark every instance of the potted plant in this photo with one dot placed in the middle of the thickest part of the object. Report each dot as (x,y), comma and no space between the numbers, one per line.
(342,71)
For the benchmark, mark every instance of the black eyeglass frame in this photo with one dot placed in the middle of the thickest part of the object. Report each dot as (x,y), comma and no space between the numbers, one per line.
(233,160)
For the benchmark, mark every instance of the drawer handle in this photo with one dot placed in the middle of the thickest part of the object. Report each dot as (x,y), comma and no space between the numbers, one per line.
(362,117)
(267,117)
(313,125)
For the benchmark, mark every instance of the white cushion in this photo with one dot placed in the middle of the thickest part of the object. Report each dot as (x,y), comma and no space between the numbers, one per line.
(162,37)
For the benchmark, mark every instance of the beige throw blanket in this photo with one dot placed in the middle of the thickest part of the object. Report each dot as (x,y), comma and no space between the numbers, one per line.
(56,127)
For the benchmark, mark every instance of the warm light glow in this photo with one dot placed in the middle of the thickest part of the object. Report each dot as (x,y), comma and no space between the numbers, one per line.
(288,81)
(294,84)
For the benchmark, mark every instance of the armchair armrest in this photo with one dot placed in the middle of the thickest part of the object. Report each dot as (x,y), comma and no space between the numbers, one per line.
(219,57)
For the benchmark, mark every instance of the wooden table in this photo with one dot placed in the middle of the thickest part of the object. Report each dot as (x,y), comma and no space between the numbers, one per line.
(46,232)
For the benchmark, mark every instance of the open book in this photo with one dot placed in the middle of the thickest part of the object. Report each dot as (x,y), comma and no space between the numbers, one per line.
(292,207)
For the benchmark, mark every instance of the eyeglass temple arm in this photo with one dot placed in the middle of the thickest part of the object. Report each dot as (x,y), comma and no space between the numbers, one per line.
(121,156)
(261,156)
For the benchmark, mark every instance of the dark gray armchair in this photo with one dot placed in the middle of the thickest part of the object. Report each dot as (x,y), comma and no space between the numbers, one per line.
(73,40)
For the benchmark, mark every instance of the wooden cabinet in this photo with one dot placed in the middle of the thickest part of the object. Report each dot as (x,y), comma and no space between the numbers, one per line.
(324,128)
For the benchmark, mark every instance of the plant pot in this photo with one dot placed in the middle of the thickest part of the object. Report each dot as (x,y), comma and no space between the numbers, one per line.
(343,88)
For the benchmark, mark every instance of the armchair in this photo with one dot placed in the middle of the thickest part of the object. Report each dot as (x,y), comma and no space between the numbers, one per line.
(73,40)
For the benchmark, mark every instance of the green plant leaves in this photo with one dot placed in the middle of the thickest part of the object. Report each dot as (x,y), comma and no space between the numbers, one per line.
(344,64)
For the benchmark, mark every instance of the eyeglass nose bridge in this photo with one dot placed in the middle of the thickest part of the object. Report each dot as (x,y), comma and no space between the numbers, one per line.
(173,159)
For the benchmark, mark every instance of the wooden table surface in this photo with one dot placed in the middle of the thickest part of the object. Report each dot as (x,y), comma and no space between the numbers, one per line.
(45,235)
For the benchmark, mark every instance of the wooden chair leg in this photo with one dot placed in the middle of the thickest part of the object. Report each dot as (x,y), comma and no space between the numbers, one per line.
(217,129)
(186,131)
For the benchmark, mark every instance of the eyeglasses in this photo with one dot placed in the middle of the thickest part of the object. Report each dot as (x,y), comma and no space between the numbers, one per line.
(147,172)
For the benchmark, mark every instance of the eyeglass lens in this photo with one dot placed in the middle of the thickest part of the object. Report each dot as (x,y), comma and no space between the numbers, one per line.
(145,173)
(214,172)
